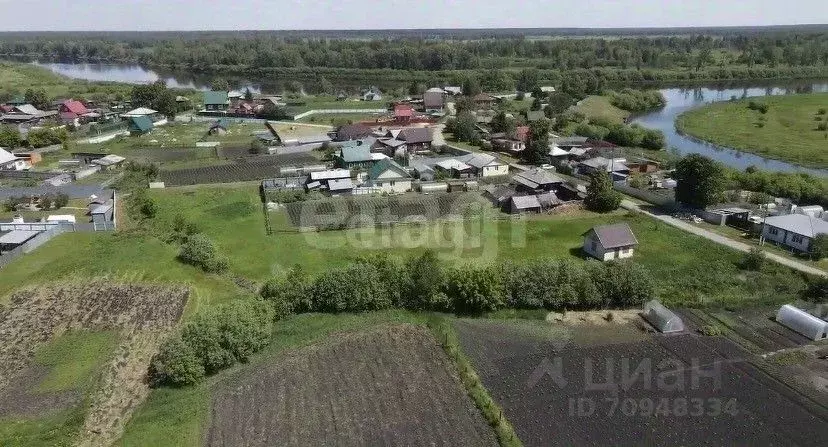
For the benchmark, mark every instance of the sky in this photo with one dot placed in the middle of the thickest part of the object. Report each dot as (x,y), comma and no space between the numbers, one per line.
(173,15)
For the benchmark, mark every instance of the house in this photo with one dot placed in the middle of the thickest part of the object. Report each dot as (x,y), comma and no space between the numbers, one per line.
(146,112)
(235,95)
(109,162)
(610,242)
(499,195)
(391,147)
(16,238)
(389,177)
(643,166)
(455,168)
(355,154)
(11,162)
(72,107)
(802,322)
(535,115)
(795,231)
(524,204)
(484,101)
(352,132)
(434,99)
(547,89)
(139,125)
(403,113)
(537,181)
(291,135)
(17,100)
(614,166)
(372,94)
(219,127)
(485,165)
(557,153)
(103,214)
(216,101)
(322,179)
(453,90)
(416,138)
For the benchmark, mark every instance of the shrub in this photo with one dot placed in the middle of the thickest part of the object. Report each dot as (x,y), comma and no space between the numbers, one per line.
(199,251)
(176,364)
(147,207)
(822,111)
(424,283)
(822,126)
(601,197)
(753,259)
(61,200)
(761,107)
(355,288)
(819,246)
(288,292)
(711,330)
(474,290)
(626,284)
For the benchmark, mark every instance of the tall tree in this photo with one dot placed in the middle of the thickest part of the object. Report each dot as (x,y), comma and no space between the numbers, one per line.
(700,181)
(600,196)
(537,148)
(471,86)
(248,95)
(155,96)
(37,98)
(220,85)
(527,79)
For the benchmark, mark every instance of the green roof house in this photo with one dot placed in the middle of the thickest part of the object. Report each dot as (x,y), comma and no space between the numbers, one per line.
(139,125)
(216,101)
(355,154)
(389,177)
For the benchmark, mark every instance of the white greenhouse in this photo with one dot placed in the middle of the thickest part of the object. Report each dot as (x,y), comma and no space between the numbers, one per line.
(802,322)
(662,318)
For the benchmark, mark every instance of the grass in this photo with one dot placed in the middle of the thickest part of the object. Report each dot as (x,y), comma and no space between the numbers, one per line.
(74,361)
(599,107)
(786,132)
(177,417)
(75,207)
(15,78)
(332,118)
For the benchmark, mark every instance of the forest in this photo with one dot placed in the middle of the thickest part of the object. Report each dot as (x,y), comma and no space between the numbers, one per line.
(738,54)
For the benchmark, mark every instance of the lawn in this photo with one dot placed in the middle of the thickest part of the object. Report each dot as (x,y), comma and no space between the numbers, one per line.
(334,118)
(600,107)
(788,131)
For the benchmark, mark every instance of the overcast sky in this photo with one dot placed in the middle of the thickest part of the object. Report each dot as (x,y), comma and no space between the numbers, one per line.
(106,15)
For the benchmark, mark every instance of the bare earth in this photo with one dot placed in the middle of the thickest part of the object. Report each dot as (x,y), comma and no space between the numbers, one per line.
(390,386)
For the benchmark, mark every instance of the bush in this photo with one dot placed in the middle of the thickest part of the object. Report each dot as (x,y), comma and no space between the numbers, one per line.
(474,290)
(61,200)
(711,330)
(601,197)
(424,283)
(822,111)
(822,126)
(356,288)
(288,293)
(761,107)
(626,284)
(176,364)
(147,207)
(819,246)
(753,259)
(199,251)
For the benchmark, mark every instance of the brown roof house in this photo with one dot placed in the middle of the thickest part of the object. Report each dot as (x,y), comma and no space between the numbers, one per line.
(610,242)
(416,138)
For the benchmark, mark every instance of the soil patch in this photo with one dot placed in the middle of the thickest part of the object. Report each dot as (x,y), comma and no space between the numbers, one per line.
(390,386)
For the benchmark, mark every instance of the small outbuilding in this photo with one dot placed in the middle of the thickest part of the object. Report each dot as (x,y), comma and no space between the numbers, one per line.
(524,204)
(662,318)
(610,242)
(802,322)
(219,127)
(13,239)
(139,125)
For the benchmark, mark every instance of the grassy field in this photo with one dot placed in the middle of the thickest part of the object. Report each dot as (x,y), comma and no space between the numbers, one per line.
(333,118)
(15,78)
(600,107)
(788,131)
(73,362)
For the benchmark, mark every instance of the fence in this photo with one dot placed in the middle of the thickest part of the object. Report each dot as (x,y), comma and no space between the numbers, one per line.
(665,203)
(336,111)
(50,230)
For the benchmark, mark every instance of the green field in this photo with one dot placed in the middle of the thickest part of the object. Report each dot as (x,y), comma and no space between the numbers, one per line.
(15,78)
(599,107)
(788,131)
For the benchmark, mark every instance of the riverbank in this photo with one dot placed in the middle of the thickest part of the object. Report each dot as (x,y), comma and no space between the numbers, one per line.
(793,128)
(16,78)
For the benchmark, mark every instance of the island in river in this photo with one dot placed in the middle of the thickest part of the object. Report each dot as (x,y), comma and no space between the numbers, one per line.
(793,128)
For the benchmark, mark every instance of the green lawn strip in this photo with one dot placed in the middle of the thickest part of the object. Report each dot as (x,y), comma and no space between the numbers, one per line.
(447,337)
(600,107)
(74,361)
(178,417)
(786,132)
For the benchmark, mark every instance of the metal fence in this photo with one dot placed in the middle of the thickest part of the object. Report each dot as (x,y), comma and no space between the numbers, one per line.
(48,232)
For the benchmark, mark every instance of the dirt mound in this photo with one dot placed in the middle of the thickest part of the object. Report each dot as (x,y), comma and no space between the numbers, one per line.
(392,386)
(140,314)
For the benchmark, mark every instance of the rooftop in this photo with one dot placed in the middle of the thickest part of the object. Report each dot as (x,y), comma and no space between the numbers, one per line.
(415,135)
(17,237)
(801,224)
(615,235)
(215,98)
(384,165)
(525,202)
(535,178)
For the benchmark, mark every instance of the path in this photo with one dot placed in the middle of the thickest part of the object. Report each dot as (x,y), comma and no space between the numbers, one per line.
(719,239)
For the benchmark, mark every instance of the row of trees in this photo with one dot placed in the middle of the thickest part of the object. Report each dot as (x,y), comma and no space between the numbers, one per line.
(202,51)
(637,100)
(44,202)
(10,137)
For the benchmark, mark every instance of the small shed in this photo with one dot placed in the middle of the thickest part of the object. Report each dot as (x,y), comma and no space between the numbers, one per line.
(219,127)
(662,318)
(15,238)
(802,322)
(524,204)
(139,125)
(610,242)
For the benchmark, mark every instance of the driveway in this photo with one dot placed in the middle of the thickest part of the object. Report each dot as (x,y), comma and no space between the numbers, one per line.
(719,239)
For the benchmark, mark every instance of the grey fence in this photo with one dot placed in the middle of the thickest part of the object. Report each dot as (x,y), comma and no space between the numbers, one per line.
(666,203)
(49,231)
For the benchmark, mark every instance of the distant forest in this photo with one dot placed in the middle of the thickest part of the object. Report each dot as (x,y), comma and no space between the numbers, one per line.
(616,55)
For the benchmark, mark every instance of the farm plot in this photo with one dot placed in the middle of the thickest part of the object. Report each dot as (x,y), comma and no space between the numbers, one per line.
(257,168)
(573,393)
(138,316)
(390,386)
(357,211)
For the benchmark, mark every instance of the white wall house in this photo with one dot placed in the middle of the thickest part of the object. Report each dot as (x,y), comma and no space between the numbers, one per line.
(389,177)
(794,231)
(610,242)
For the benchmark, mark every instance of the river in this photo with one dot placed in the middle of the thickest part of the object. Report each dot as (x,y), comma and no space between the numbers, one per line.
(679,100)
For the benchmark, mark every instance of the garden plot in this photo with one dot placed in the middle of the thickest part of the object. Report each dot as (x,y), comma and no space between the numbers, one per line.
(360,211)
(390,386)
(138,316)
(551,398)
(254,168)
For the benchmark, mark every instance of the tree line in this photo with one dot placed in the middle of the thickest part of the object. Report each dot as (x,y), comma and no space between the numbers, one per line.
(228,334)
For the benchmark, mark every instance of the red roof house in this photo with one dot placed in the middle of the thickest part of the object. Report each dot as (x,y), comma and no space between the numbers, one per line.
(403,112)
(73,106)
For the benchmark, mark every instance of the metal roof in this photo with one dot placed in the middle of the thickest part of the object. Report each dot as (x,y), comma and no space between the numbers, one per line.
(525,202)
(340,184)
(215,98)
(330,174)
(801,224)
(416,135)
(356,153)
(615,235)
(17,237)
(28,109)
(109,160)
(384,165)
(535,178)
(453,164)
(140,111)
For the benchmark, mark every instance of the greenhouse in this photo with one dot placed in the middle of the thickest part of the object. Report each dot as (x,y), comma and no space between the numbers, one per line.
(662,318)
(802,322)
